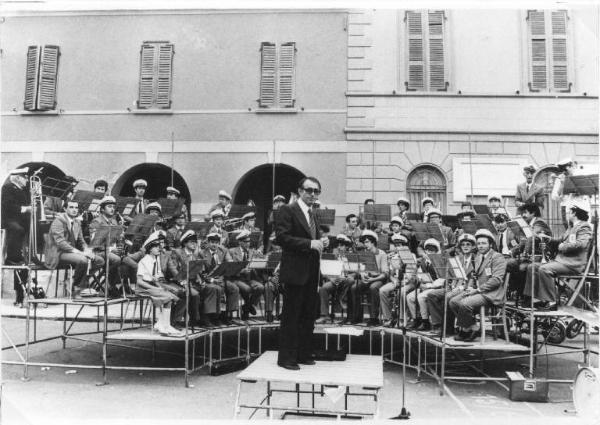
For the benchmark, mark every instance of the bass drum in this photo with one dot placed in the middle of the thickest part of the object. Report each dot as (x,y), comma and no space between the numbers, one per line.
(586,392)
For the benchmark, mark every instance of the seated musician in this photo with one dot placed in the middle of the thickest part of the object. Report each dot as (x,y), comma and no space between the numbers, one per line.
(467,215)
(366,224)
(370,282)
(403,205)
(223,204)
(352,230)
(215,254)
(571,258)
(107,218)
(495,204)
(249,225)
(139,186)
(435,298)
(66,247)
(336,287)
(422,288)
(488,274)
(426,205)
(466,206)
(386,292)
(508,246)
(175,232)
(217,217)
(101,186)
(155,209)
(434,216)
(151,281)
(248,281)
(207,294)
(173,193)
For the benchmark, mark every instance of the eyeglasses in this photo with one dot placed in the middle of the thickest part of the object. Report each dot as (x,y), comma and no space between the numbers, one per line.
(311,191)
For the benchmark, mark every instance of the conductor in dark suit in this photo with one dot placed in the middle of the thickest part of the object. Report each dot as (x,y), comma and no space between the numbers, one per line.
(298,234)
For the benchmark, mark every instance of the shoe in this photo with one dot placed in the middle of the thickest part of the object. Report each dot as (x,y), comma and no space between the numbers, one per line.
(424,326)
(89,292)
(436,330)
(389,323)
(355,321)
(288,365)
(471,335)
(460,336)
(546,306)
(413,323)
(171,331)
(309,362)
(252,309)
(323,320)
(373,322)
(269,317)
(204,322)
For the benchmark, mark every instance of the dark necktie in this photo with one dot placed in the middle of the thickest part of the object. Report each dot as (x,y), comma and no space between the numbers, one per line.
(155,268)
(213,262)
(245,256)
(311,224)
(501,244)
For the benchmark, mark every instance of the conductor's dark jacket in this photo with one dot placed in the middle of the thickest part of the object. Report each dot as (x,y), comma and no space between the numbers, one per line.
(299,264)
(13,199)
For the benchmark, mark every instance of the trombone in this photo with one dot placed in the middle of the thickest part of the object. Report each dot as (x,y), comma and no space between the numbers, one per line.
(35,191)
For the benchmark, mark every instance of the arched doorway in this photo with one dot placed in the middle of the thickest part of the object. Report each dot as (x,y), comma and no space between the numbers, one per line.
(551,212)
(257,185)
(158,177)
(48,170)
(426,181)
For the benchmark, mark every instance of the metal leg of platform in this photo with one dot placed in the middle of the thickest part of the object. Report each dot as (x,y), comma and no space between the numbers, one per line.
(248,344)
(237,409)
(64,338)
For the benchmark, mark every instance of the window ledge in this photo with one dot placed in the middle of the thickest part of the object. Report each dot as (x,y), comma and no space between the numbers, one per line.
(151,111)
(276,111)
(24,112)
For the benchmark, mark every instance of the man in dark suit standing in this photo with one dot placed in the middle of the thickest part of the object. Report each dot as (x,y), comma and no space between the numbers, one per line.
(298,234)
(529,192)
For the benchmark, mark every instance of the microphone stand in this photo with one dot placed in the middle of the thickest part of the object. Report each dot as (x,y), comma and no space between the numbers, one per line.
(404,413)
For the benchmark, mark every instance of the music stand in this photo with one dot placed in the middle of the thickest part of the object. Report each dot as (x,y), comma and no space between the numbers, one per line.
(194,268)
(170,207)
(56,187)
(273,259)
(482,209)
(365,259)
(581,185)
(201,228)
(520,228)
(450,221)
(383,242)
(239,210)
(331,267)
(140,228)
(104,236)
(125,204)
(436,233)
(258,263)
(325,216)
(228,269)
(469,227)
(486,223)
(413,217)
(377,212)
(421,231)
(88,200)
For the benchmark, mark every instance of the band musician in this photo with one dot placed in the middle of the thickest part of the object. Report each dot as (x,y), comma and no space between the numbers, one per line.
(175,232)
(529,192)
(217,216)
(223,204)
(397,268)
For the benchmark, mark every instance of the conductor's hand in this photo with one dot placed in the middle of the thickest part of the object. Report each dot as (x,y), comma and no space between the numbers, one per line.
(325,241)
(316,245)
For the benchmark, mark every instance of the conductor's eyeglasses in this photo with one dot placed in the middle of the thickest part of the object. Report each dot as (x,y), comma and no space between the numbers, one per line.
(311,191)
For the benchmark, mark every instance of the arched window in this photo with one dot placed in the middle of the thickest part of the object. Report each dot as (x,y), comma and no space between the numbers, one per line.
(426,181)
(551,212)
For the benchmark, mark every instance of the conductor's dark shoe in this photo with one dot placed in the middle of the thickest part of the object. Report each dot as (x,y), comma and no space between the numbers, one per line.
(309,362)
(245,314)
(288,365)
(252,310)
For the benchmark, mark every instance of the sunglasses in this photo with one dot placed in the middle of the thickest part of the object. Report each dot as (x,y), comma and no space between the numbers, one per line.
(311,191)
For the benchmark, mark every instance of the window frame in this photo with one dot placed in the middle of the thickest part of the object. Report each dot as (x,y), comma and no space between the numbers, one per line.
(41,75)
(277,104)
(155,104)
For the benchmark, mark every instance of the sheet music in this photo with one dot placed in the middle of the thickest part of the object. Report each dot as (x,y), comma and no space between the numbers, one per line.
(332,267)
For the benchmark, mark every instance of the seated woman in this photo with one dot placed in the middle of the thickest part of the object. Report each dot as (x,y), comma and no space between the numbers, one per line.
(488,274)
(151,282)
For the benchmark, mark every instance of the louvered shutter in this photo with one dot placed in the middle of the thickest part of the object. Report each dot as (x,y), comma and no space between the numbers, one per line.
(416,60)
(287,58)
(268,65)
(437,80)
(559,51)
(164,75)
(46,99)
(31,78)
(537,42)
(147,72)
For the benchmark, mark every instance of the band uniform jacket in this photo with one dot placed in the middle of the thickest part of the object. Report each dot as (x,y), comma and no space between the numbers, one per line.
(237,254)
(61,239)
(224,234)
(489,272)
(537,226)
(174,236)
(535,194)
(102,221)
(13,198)
(221,253)
(298,261)
(179,259)
(574,245)
(509,240)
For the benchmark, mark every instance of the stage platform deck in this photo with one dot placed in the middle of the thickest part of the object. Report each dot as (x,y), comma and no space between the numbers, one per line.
(356,370)
(148,334)
(590,317)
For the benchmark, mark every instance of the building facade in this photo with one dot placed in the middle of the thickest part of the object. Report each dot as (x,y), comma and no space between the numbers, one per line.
(376,103)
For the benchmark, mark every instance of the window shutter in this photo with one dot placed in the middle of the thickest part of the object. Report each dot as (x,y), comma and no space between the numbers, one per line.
(287,57)
(416,60)
(146,92)
(46,99)
(267,75)
(437,80)
(31,78)
(537,37)
(559,51)
(165,74)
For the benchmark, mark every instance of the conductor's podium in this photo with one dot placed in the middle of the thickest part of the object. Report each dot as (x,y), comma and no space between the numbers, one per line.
(330,380)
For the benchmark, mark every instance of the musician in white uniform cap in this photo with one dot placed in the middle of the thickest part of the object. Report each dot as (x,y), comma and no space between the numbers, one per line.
(140,186)
(224,203)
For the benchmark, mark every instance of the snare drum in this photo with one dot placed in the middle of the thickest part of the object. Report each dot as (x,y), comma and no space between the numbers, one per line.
(586,392)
